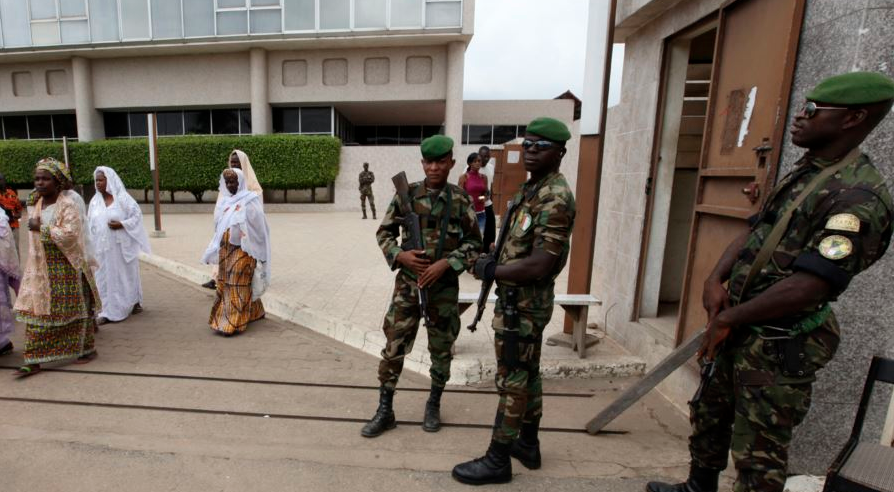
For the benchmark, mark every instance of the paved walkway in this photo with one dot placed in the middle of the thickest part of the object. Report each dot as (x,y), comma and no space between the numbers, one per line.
(284,413)
(329,275)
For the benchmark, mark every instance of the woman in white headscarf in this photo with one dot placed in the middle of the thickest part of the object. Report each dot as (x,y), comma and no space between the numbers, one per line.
(238,160)
(116,237)
(10,276)
(241,248)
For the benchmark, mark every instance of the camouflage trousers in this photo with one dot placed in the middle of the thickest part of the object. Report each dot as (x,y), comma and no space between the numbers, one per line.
(751,408)
(364,196)
(402,323)
(520,388)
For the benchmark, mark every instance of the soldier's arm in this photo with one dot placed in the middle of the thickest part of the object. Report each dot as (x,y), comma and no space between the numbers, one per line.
(825,267)
(724,266)
(553,222)
(463,257)
(388,232)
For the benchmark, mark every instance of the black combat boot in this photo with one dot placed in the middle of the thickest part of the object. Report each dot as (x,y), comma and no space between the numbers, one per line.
(700,480)
(384,418)
(431,421)
(494,467)
(526,448)
(364,213)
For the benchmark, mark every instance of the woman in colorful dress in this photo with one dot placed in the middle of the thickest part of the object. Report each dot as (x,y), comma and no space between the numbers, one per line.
(116,237)
(475,184)
(238,160)
(241,247)
(9,277)
(57,299)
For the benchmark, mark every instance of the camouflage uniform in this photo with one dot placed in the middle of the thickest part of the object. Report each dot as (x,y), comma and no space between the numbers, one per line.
(544,221)
(459,246)
(757,395)
(366,193)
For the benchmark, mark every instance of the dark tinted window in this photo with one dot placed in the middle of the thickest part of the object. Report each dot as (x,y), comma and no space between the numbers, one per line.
(316,120)
(285,120)
(410,135)
(66,125)
(428,131)
(521,130)
(115,124)
(40,126)
(387,135)
(139,127)
(245,121)
(15,127)
(480,134)
(197,122)
(170,123)
(225,121)
(365,135)
(465,135)
(504,133)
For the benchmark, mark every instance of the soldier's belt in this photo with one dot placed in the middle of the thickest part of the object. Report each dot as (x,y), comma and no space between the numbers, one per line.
(792,328)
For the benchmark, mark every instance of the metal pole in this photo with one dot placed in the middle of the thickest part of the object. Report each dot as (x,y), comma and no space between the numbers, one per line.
(153,166)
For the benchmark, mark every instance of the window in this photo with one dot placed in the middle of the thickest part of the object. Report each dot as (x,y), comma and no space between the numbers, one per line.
(173,123)
(503,133)
(198,18)
(300,15)
(39,127)
(134,19)
(248,16)
(55,21)
(479,134)
(369,14)
(14,14)
(406,13)
(104,20)
(313,120)
(443,13)
(491,134)
(335,14)
(166,19)
(286,120)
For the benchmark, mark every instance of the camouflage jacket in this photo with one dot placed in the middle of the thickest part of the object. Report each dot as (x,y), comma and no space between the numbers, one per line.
(366,180)
(841,229)
(543,221)
(462,241)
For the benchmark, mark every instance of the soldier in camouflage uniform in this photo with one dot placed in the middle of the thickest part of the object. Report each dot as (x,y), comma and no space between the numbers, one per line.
(452,240)
(535,251)
(367,178)
(776,321)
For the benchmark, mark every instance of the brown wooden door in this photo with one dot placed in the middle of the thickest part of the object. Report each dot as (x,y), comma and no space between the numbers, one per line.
(755,54)
(509,174)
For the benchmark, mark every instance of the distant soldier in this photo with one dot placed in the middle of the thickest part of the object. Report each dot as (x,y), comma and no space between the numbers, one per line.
(824,223)
(451,241)
(367,178)
(535,251)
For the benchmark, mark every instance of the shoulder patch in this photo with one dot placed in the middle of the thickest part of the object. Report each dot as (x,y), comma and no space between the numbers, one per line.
(843,222)
(836,247)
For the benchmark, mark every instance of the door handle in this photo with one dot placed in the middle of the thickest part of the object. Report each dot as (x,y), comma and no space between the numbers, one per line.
(753,191)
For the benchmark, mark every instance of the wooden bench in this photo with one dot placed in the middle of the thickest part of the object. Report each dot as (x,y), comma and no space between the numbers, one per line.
(576,305)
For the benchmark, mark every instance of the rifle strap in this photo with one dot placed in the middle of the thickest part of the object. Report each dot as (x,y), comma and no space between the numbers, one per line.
(445,220)
(781,225)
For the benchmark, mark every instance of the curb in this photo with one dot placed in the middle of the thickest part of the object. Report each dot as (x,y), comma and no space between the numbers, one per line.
(371,341)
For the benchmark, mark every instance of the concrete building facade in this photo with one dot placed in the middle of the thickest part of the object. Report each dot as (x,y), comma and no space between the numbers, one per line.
(645,233)
(379,74)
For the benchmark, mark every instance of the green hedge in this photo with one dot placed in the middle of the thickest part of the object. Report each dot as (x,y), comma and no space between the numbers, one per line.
(194,164)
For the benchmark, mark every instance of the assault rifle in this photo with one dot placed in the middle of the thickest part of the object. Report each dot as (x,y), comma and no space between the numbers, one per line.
(413,230)
(486,285)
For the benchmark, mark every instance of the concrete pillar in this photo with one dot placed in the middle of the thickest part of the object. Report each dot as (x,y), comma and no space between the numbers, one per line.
(261,116)
(453,114)
(89,120)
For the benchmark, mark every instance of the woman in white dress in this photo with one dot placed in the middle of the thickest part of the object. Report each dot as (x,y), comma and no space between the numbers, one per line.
(116,237)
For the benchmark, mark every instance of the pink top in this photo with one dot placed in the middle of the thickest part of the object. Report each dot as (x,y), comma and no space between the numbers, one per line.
(476,187)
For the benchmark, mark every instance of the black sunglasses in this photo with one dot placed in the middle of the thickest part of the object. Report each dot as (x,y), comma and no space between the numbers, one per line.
(539,145)
(809,109)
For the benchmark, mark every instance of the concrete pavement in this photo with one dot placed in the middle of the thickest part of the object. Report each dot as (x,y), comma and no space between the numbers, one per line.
(168,405)
(329,276)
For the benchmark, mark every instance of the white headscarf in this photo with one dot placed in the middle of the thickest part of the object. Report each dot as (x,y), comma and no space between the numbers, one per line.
(98,231)
(251,181)
(242,214)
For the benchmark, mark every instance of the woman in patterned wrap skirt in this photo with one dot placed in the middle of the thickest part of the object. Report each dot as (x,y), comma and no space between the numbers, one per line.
(241,247)
(57,300)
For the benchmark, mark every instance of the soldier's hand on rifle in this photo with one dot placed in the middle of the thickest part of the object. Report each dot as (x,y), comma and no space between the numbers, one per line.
(415,260)
(485,268)
(433,273)
(715,297)
(715,333)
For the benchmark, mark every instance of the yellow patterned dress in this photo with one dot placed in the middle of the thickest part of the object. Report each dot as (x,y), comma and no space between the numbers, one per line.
(233,308)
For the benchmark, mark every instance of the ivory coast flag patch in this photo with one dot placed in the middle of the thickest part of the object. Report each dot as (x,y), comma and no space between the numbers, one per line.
(525,222)
(836,247)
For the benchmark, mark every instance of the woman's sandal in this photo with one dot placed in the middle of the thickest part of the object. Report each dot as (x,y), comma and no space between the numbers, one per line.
(86,358)
(7,349)
(26,371)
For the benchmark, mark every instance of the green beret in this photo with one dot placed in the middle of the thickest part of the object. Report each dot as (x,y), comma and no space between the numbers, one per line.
(436,146)
(853,89)
(550,129)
